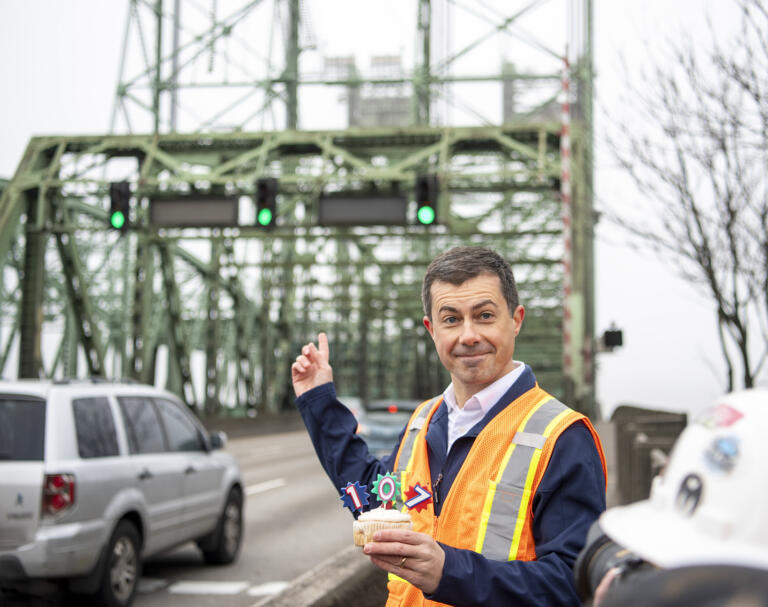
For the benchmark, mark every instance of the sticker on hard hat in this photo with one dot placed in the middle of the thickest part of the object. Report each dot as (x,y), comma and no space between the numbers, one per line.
(689,494)
(723,453)
(721,416)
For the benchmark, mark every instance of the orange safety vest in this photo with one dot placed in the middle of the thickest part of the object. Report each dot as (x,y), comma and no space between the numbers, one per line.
(489,506)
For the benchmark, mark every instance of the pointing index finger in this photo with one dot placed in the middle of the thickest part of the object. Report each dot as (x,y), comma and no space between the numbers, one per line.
(322,344)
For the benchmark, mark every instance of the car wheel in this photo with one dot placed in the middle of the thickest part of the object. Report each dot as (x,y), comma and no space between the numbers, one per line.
(122,568)
(222,546)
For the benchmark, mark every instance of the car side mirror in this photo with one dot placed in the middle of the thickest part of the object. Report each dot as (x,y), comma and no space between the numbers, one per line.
(217,439)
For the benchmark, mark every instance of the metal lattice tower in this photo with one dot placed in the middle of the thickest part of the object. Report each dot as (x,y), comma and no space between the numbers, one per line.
(218,313)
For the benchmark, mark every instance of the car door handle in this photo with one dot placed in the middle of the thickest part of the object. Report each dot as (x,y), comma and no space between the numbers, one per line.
(145,475)
(190,470)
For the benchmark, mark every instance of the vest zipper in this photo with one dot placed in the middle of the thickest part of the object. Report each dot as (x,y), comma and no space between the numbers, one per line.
(435,489)
(435,502)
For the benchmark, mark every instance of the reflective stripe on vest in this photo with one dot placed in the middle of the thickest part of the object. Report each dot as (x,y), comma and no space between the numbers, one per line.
(406,454)
(409,440)
(506,503)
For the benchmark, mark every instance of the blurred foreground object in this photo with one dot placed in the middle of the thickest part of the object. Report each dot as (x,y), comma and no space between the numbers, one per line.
(707,508)
(702,586)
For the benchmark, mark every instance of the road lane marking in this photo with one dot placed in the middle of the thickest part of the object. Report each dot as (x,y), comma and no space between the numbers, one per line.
(265,486)
(258,453)
(262,591)
(148,584)
(207,587)
(268,589)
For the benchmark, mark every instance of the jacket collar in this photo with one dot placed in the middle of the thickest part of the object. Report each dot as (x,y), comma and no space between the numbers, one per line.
(437,433)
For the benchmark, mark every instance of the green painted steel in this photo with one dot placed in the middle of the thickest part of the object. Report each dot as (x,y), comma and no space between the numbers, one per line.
(359,284)
(218,314)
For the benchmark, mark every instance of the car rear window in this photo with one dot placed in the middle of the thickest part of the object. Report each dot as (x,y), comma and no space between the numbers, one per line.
(96,435)
(22,428)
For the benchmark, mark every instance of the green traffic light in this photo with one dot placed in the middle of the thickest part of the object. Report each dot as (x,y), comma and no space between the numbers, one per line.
(117,220)
(264,217)
(426,215)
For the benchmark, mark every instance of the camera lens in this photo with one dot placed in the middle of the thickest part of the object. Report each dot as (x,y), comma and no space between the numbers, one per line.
(600,555)
(702,586)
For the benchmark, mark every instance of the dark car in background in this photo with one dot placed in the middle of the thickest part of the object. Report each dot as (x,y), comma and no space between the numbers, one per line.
(380,423)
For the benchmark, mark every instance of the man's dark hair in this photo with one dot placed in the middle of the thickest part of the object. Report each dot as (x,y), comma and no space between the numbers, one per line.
(459,264)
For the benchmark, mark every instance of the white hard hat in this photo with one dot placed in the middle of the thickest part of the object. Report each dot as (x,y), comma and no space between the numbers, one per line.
(710,505)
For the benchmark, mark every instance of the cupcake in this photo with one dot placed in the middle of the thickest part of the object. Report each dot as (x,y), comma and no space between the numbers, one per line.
(380,518)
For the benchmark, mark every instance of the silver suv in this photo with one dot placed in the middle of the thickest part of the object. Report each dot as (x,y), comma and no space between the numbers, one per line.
(95,477)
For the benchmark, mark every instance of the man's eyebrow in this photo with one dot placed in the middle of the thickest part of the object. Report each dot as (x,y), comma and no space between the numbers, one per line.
(447,309)
(481,304)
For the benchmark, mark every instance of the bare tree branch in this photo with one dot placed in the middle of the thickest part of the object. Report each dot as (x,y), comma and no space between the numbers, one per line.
(703,178)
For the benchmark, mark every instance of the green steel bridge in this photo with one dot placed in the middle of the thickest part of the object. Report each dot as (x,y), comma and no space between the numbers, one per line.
(216,309)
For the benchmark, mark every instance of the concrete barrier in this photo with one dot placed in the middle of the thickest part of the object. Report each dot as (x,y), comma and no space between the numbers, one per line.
(347,578)
(265,423)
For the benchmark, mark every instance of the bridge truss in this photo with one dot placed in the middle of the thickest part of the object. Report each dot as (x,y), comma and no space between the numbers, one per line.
(218,313)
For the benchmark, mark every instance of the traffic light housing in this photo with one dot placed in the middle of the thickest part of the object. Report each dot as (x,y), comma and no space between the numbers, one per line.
(266,202)
(426,199)
(120,205)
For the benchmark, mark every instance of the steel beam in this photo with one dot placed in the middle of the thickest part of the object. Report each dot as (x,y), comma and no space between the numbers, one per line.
(31,327)
(498,187)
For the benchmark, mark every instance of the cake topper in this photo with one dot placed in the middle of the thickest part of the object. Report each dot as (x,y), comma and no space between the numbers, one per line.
(417,497)
(386,489)
(354,496)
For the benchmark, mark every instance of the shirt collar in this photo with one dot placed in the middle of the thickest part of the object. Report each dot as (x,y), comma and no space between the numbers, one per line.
(488,396)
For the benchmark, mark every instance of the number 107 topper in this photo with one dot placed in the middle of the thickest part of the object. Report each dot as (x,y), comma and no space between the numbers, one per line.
(386,488)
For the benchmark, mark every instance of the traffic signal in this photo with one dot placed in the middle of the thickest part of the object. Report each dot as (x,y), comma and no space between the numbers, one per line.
(426,199)
(266,201)
(119,205)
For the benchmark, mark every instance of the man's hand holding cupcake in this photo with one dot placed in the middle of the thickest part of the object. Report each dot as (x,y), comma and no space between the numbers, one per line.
(413,556)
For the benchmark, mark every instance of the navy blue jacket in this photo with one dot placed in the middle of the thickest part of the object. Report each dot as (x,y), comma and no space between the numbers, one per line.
(569,498)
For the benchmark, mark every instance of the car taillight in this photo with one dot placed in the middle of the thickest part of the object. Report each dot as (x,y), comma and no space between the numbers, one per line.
(58,493)
(392,408)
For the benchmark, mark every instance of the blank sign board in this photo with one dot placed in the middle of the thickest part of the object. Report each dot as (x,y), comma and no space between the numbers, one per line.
(193,211)
(362,210)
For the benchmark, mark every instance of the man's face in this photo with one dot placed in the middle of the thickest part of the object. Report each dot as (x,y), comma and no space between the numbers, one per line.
(473,331)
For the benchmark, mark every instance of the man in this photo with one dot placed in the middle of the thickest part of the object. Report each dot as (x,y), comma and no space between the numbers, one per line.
(516,477)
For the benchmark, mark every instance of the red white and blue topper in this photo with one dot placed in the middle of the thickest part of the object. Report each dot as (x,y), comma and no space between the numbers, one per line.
(354,496)
(417,497)
(386,489)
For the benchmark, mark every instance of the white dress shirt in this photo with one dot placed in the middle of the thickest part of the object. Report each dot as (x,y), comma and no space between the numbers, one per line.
(462,420)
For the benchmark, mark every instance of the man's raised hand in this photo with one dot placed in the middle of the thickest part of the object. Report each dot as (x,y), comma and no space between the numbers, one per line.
(311,368)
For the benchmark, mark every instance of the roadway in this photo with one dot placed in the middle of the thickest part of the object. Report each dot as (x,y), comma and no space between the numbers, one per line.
(294,520)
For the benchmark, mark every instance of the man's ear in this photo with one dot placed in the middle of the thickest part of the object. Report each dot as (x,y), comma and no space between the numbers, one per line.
(517,319)
(428,325)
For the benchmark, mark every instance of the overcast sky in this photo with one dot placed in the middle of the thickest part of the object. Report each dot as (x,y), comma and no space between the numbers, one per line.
(59,70)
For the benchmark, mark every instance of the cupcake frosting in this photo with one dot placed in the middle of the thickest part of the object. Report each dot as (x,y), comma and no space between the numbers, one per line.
(383,514)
